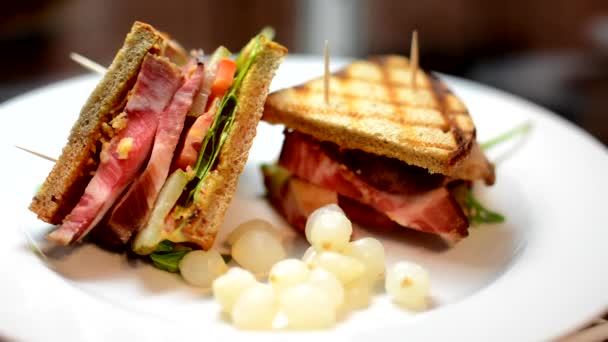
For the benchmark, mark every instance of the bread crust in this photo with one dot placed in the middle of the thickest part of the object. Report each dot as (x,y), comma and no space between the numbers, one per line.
(373,107)
(73,170)
(220,185)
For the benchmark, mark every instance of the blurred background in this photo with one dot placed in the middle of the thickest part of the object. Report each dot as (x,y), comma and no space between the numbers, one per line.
(553,52)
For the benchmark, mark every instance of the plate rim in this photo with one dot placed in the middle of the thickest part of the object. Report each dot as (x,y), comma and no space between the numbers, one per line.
(538,110)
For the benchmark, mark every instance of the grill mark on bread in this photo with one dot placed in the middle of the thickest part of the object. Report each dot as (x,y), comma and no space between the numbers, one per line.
(439,96)
(391,94)
(392,97)
(420,138)
(440,92)
(385,70)
(352,113)
(391,101)
(391,83)
(310,131)
(390,64)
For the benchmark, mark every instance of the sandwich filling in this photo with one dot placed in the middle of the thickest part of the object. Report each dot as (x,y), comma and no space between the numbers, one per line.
(156,83)
(377,190)
(175,122)
(177,209)
(134,207)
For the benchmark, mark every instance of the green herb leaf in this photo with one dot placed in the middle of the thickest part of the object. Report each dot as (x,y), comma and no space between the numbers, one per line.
(227,258)
(168,261)
(518,130)
(220,129)
(165,246)
(167,256)
(217,134)
(479,214)
(268,32)
(214,140)
(275,178)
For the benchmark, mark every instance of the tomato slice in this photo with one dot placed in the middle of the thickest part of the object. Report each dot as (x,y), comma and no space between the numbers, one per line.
(224,77)
(194,138)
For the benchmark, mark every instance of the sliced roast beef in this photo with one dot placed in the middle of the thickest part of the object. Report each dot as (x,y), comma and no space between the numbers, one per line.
(383,173)
(395,176)
(366,216)
(125,154)
(296,199)
(433,210)
(133,209)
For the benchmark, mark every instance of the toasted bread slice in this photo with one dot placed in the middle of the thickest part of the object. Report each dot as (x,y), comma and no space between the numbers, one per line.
(373,107)
(220,185)
(73,170)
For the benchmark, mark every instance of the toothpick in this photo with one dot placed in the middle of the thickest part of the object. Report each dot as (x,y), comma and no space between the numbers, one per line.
(87,63)
(326,76)
(414,58)
(37,154)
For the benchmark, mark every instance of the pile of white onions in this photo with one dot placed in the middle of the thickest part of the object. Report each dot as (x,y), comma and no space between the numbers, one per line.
(333,276)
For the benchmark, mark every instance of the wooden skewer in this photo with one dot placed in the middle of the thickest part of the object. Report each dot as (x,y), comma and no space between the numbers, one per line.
(414,58)
(326,76)
(37,154)
(87,63)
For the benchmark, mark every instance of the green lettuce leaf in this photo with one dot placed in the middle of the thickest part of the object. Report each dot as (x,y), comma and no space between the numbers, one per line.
(168,261)
(275,178)
(267,32)
(167,256)
(512,133)
(165,246)
(478,214)
(220,129)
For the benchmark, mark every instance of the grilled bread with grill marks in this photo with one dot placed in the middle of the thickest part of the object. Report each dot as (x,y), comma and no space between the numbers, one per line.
(373,107)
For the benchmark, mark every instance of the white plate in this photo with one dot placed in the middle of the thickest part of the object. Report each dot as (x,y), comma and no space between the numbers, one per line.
(538,276)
